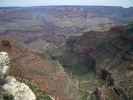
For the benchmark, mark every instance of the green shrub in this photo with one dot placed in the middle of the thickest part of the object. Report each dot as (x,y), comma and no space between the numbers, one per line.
(8,97)
(41,95)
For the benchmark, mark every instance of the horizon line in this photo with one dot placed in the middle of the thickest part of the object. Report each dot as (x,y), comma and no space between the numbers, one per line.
(24,6)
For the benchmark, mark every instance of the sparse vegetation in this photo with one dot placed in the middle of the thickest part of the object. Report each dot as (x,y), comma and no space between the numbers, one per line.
(6,43)
(8,97)
(41,95)
(60,31)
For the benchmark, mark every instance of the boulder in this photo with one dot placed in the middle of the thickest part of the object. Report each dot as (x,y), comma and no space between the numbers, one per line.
(4,64)
(20,91)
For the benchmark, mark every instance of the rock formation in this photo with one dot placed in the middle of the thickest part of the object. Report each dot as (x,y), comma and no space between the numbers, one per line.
(114,63)
(11,89)
(4,64)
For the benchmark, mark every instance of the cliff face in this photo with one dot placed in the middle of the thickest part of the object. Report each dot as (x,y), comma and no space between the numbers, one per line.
(109,54)
(65,33)
(36,27)
(115,55)
(48,75)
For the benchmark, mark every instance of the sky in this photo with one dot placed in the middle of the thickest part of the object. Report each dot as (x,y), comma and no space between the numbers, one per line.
(123,3)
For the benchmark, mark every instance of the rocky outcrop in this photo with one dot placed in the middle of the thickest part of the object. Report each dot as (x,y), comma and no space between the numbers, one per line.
(40,71)
(20,91)
(114,55)
(4,64)
(9,85)
(113,52)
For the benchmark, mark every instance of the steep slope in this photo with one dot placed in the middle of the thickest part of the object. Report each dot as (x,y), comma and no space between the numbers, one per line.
(82,51)
(112,52)
(85,49)
(49,76)
(115,56)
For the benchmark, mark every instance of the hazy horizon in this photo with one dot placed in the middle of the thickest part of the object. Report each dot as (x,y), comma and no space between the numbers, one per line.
(29,3)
